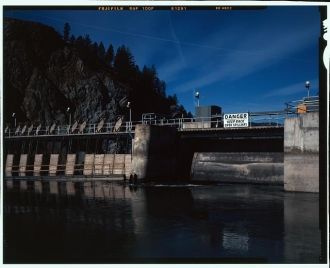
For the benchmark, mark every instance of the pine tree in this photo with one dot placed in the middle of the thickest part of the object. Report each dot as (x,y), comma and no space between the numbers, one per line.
(66,31)
(101,51)
(72,39)
(109,55)
(95,48)
(124,64)
(87,40)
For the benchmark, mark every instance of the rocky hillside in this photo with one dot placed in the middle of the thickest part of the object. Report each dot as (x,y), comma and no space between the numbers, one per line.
(44,74)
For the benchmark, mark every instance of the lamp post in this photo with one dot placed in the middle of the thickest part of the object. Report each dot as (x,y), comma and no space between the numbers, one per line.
(68,111)
(128,106)
(14,116)
(307,85)
(197,98)
(130,114)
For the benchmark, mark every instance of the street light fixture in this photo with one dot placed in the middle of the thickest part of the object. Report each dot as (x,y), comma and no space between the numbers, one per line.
(68,111)
(197,98)
(128,106)
(130,113)
(14,116)
(307,85)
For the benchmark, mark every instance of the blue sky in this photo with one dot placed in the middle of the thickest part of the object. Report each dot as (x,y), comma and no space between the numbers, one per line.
(244,60)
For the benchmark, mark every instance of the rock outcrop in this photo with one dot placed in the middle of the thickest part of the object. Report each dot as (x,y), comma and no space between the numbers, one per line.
(43,75)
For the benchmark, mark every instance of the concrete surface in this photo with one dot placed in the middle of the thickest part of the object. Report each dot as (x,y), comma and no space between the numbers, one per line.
(154,152)
(255,167)
(301,153)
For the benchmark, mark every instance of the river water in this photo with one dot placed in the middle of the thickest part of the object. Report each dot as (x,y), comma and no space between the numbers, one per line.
(109,222)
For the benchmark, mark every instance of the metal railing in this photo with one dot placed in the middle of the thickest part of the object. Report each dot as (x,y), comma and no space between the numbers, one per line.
(256,119)
(305,105)
(68,130)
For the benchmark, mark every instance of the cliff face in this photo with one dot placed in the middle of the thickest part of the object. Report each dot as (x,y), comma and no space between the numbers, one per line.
(43,75)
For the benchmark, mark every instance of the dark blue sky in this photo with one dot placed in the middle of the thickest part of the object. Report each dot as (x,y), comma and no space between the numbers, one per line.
(240,60)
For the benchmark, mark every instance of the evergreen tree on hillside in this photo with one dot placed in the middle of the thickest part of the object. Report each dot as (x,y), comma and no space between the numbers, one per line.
(101,51)
(72,39)
(95,48)
(109,55)
(87,40)
(124,65)
(66,31)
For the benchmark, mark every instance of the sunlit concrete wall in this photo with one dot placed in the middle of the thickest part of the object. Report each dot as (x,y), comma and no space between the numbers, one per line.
(53,164)
(301,153)
(37,164)
(22,164)
(255,167)
(90,165)
(9,165)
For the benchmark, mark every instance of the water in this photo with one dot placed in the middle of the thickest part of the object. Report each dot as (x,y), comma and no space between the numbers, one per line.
(108,222)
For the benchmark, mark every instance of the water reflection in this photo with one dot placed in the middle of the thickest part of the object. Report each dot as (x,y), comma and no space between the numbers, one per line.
(234,241)
(97,221)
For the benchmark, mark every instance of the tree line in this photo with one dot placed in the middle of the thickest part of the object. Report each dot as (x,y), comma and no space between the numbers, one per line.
(146,92)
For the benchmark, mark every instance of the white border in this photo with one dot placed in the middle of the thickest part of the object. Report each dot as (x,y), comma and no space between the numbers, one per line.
(153,3)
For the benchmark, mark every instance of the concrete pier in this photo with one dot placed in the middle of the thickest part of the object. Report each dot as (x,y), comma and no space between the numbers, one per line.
(22,164)
(37,164)
(98,164)
(53,164)
(70,164)
(89,164)
(9,165)
(154,152)
(128,164)
(108,164)
(301,153)
(119,164)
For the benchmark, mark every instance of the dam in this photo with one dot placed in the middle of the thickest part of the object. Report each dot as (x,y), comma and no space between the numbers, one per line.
(197,149)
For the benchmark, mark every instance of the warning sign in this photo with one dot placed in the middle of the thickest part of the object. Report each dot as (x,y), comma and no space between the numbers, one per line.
(236,120)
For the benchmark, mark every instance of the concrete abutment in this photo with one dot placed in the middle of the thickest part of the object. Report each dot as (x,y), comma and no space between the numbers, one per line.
(301,153)
(154,152)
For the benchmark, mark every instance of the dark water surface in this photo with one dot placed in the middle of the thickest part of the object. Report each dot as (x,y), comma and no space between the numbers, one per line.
(108,222)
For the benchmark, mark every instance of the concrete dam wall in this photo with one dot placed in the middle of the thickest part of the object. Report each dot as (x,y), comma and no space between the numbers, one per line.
(243,167)
(163,153)
(301,153)
(154,152)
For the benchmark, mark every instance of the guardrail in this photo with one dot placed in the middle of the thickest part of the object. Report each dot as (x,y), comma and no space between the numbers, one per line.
(269,118)
(305,105)
(67,130)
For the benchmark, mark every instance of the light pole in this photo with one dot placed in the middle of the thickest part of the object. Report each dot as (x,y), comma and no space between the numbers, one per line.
(130,125)
(307,85)
(130,114)
(14,116)
(197,98)
(68,111)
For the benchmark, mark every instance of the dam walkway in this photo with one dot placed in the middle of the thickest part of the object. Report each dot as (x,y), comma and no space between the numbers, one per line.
(257,120)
